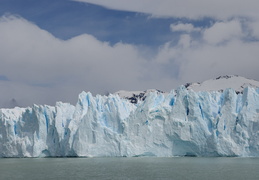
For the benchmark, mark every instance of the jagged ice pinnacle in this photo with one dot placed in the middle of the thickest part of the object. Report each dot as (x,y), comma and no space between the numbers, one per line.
(180,123)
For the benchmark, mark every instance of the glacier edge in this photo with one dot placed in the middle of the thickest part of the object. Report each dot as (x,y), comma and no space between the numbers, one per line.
(181,123)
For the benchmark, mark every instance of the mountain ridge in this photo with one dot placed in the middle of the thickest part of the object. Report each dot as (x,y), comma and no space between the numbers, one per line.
(236,82)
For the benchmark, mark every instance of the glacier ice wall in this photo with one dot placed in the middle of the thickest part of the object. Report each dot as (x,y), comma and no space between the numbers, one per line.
(182,123)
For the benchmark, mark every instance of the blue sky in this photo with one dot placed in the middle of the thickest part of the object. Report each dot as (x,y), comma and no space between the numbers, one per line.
(51,50)
(66,19)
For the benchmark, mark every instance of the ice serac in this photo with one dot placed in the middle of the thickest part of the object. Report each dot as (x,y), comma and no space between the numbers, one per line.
(179,123)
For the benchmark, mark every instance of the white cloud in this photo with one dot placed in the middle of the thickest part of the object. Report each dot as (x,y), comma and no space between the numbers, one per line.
(219,9)
(35,58)
(206,62)
(183,27)
(43,69)
(185,41)
(208,57)
(223,31)
(254,27)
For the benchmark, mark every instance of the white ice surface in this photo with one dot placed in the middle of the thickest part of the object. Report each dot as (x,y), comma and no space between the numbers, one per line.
(179,123)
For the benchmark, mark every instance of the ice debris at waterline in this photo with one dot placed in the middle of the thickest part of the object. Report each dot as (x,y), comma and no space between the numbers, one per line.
(180,123)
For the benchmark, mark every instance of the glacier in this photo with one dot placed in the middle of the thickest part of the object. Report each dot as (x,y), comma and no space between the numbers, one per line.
(180,123)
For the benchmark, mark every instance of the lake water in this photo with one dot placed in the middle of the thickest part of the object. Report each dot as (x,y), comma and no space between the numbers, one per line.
(129,168)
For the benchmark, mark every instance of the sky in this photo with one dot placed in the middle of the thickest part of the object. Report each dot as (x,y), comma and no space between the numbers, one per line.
(51,50)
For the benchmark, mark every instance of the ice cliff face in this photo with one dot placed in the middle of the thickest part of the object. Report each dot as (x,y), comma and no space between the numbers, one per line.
(180,123)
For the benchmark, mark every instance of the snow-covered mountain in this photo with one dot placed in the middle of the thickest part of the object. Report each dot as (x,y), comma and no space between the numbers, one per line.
(180,123)
(238,83)
(137,96)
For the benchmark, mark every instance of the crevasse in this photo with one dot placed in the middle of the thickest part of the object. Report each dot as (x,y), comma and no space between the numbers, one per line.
(181,123)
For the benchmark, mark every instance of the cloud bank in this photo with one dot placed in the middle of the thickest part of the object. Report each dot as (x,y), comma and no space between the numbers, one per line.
(36,67)
(187,27)
(219,9)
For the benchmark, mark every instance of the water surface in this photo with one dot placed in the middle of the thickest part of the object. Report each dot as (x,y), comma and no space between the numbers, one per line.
(129,168)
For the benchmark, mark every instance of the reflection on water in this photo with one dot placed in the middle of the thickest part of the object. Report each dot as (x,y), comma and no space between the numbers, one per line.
(129,168)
